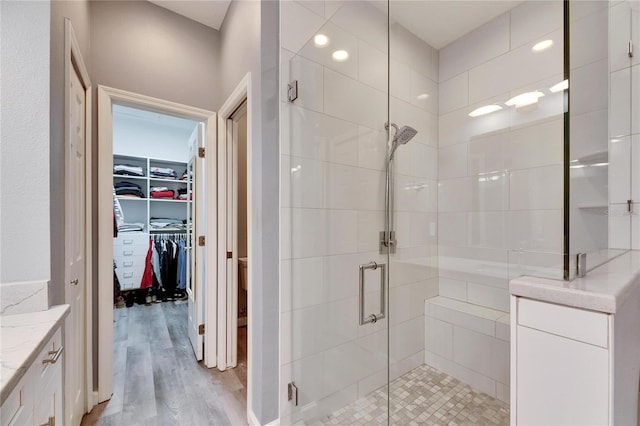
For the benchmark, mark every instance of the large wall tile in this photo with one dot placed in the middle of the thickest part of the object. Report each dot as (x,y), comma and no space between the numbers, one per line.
(454,93)
(310,83)
(452,161)
(339,39)
(620,170)
(589,40)
(353,101)
(299,24)
(534,19)
(619,111)
(301,182)
(536,189)
(536,230)
(483,44)
(307,274)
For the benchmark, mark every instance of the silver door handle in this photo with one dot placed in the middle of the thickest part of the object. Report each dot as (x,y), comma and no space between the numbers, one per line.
(373,318)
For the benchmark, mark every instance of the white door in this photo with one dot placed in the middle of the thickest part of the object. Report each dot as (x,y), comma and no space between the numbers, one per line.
(75,285)
(236,126)
(196,229)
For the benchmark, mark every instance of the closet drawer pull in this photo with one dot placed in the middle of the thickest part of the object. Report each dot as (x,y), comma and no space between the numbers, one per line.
(127,264)
(127,253)
(127,241)
(55,357)
(128,275)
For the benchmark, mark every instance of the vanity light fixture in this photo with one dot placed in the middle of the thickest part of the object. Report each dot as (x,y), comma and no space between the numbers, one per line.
(320,40)
(483,110)
(563,85)
(525,99)
(340,55)
(543,45)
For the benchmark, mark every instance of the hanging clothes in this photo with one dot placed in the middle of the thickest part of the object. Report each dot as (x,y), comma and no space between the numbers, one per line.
(147,278)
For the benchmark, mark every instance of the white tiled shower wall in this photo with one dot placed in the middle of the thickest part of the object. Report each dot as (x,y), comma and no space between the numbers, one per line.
(500,175)
(332,186)
(624,125)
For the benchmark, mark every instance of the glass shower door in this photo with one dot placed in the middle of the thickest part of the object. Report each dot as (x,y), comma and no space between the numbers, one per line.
(334,107)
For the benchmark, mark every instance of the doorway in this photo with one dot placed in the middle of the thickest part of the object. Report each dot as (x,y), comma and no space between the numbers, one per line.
(159,187)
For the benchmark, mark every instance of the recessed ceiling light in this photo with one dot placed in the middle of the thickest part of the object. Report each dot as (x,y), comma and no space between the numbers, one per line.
(544,44)
(487,109)
(422,96)
(340,55)
(525,99)
(578,166)
(600,164)
(563,85)
(321,40)
(615,140)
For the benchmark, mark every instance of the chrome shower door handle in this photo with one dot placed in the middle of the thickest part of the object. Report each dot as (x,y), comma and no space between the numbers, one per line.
(373,318)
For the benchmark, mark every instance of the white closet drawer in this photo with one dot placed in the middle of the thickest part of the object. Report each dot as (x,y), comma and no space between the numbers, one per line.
(577,324)
(132,250)
(129,262)
(130,284)
(125,239)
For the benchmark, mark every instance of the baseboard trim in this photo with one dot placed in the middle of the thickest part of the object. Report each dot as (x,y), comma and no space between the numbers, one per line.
(253,420)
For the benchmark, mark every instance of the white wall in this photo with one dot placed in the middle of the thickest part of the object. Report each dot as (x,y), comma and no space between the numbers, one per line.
(624,126)
(500,175)
(24,137)
(332,199)
(249,43)
(142,138)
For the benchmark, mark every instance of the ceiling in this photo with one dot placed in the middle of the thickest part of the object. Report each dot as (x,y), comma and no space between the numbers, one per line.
(442,22)
(210,12)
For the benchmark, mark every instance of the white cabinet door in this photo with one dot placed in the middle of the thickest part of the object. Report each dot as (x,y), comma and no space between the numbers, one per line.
(560,381)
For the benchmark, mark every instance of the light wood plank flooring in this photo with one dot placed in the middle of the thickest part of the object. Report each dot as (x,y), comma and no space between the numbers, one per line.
(157,380)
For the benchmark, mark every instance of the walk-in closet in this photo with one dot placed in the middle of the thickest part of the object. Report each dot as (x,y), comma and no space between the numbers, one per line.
(152,187)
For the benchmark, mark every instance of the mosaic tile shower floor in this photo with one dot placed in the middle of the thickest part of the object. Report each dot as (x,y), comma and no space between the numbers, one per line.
(423,396)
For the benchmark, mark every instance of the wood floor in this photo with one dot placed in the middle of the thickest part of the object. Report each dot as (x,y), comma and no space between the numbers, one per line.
(157,380)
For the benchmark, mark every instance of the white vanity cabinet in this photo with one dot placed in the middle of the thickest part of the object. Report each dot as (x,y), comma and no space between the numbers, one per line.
(575,347)
(37,398)
(561,357)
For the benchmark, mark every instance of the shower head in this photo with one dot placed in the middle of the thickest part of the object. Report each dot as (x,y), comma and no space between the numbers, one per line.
(403,135)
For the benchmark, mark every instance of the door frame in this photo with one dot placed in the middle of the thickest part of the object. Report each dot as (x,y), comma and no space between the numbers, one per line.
(226,321)
(107,97)
(73,63)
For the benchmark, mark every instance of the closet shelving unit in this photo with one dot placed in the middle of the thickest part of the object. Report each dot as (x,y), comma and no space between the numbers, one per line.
(143,209)
(130,248)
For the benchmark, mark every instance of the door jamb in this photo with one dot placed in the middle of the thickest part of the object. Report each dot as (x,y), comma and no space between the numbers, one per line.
(73,62)
(242,93)
(107,96)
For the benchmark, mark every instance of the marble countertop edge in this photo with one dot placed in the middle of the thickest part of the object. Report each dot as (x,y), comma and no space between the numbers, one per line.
(604,289)
(23,336)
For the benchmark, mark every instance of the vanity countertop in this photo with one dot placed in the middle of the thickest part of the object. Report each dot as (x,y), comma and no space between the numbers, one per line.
(22,337)
(604,289)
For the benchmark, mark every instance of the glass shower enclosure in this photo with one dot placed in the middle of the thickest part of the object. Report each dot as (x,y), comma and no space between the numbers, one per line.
(428,157)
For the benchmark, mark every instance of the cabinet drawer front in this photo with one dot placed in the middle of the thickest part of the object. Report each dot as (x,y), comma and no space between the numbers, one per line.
(132,250)
(45,361)
(578,324)
(129,262)
(127,240)
(18,406)
(129,284)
